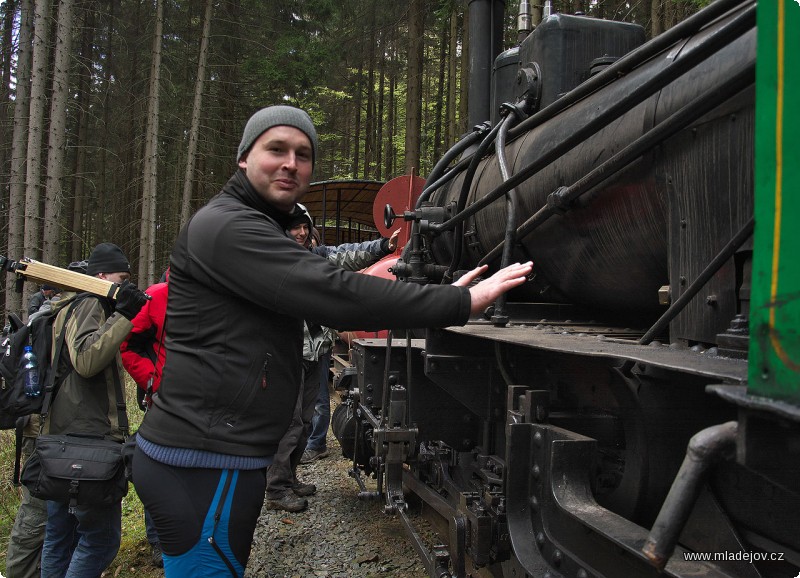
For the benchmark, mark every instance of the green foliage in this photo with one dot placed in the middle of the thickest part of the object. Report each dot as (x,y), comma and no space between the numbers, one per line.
(9,495)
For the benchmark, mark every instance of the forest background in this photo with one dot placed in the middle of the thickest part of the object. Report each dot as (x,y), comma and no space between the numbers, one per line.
(119,118)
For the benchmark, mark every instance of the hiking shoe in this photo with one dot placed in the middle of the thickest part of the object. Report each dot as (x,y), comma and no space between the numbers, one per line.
(303,490)
(288,502)
(314,455)
(156,555)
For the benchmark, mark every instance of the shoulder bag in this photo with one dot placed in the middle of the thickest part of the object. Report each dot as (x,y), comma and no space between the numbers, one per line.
(78,469)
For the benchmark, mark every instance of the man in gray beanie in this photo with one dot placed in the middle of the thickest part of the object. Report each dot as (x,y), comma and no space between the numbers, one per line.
(280,115)
(239,289)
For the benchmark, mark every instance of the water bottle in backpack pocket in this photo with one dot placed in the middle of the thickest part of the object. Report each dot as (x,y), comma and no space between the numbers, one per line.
(30,369)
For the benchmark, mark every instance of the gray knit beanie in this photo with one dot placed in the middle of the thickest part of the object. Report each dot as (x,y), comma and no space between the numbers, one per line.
(280,115)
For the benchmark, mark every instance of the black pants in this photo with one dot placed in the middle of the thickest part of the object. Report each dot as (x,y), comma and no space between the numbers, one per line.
(282,474)
(179,499)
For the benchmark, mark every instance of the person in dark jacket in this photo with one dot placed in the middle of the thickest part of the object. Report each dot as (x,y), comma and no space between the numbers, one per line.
(239,290)
(37,299)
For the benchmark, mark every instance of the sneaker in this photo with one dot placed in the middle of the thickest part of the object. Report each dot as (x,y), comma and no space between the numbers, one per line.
(314,455)
(288,502)
(303,490)
(156,555)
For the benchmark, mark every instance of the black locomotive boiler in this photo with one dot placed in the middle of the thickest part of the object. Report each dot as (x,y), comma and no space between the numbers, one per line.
(596,421)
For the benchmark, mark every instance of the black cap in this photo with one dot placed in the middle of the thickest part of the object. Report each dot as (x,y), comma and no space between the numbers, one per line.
(107,258)
(79,266)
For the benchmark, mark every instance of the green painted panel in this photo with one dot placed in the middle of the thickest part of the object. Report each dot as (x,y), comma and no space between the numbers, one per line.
(774,368)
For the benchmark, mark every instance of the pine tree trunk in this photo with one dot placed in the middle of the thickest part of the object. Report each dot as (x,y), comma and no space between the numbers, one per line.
(369,123)
(357,117)
(33,173)
(656,25)
(440,90)
(379,169)
(463,102)
(194,129)
(6,106)
(450,133)
(391,113)
(79,204)
(416,22)
(391,119)
(57,134)
(147,229)
(19,139)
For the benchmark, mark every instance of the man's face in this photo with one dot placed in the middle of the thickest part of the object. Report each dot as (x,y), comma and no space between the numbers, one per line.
(115,277)
(300,233)
(279,166)
(48,292)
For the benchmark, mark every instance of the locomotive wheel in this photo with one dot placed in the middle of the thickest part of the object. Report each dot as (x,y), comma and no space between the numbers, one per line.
(345,427)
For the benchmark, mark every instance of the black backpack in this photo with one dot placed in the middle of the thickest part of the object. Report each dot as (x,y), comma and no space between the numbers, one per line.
(15,406)
(38,333)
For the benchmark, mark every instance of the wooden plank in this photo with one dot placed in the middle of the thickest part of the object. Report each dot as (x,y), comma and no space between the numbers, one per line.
(62,278)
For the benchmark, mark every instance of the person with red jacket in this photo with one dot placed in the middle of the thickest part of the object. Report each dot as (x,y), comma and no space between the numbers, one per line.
(143,355)
(143,352)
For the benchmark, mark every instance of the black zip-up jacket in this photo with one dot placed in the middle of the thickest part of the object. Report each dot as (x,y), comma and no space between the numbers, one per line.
(239,290)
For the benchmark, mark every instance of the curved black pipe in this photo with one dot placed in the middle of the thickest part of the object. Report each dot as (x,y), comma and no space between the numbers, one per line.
(499,316)
(434,182)
(477,156)
(706,448)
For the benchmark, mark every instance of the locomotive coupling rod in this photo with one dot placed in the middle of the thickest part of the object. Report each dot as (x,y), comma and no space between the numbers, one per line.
(706,448)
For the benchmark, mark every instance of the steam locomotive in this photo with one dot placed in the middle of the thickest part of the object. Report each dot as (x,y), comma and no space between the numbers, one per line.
(634,409)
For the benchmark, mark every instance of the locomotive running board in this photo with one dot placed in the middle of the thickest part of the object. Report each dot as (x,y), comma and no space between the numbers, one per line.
(556,339)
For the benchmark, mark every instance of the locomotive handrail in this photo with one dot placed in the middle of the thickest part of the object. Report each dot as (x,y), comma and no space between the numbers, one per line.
(665,129)
(693,56)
